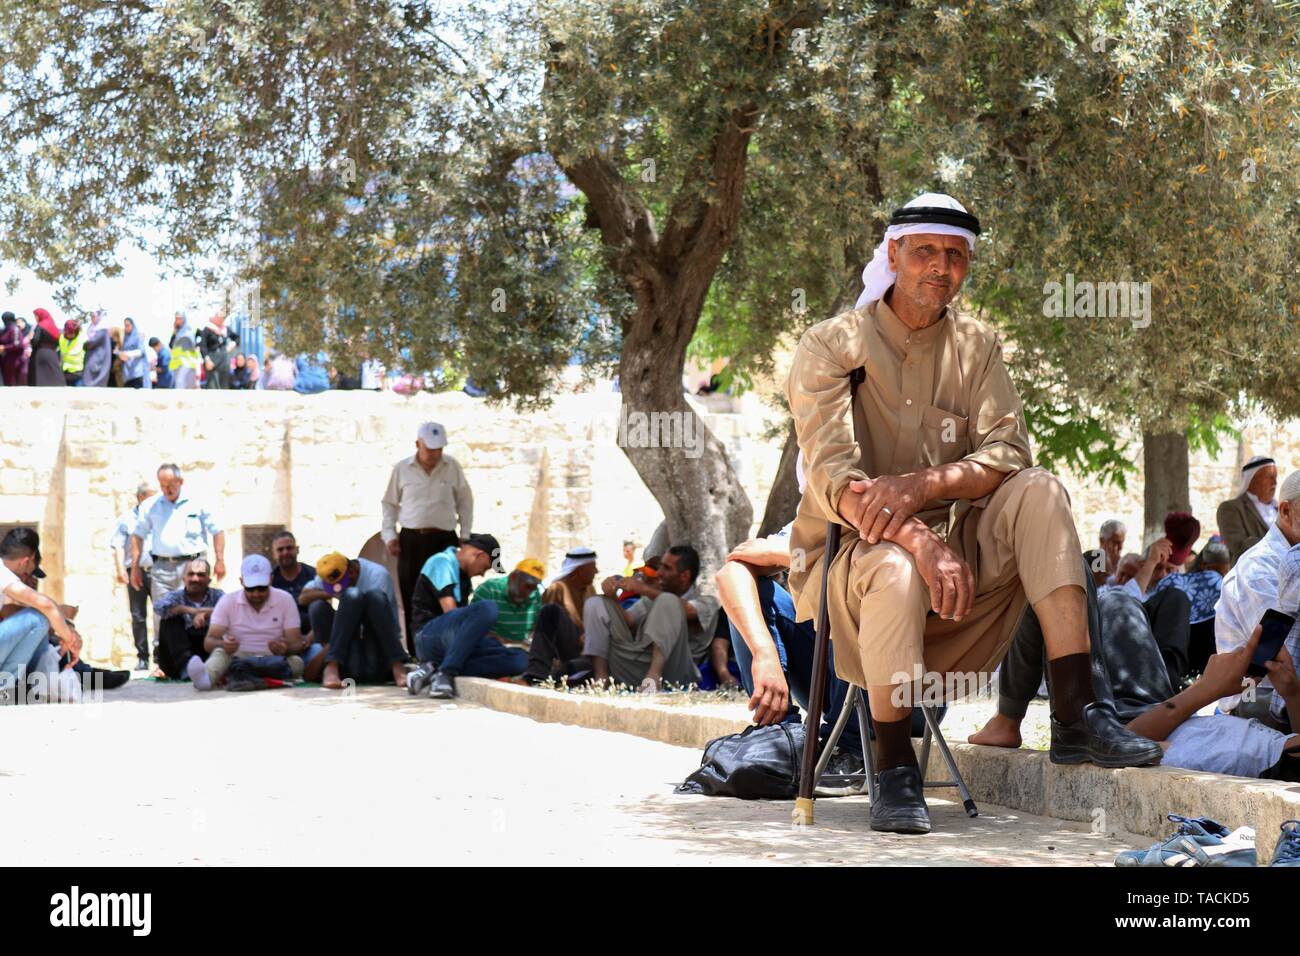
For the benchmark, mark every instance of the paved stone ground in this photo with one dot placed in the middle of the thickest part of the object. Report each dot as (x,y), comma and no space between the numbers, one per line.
(159,775)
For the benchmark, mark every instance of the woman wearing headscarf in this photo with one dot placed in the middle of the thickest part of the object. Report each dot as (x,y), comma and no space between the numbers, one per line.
(186,360)
(45,367)
(72,353)
(135,363)
(99,351)
(13,364)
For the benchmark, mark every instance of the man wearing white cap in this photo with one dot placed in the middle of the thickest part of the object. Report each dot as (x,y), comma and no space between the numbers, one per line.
(926,463)
(427,494)
(1245,519)
(556,650)
(255,621)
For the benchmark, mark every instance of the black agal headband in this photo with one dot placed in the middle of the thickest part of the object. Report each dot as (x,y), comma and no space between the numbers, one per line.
(940,215)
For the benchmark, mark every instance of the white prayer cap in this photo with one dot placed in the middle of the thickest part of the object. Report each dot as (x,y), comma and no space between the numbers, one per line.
(877,277)
(572,561)
(1249,469)
(1290,490)
(432,435)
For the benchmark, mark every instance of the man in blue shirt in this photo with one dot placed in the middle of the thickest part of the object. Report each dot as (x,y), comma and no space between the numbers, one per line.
(453,637)
(364,638)
(177,530)
(164,379)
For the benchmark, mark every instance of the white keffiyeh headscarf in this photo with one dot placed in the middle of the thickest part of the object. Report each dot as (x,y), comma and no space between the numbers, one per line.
(877,277)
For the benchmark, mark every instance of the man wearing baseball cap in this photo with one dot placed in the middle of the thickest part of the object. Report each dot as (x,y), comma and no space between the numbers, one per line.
(363,635)
(518,597)
(453,637)
(255,621)
(427,495)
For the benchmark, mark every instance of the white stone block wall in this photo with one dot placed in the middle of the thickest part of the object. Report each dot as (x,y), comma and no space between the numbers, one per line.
(543,482)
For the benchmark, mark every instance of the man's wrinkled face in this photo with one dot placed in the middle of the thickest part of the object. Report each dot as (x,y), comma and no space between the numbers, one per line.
(427,457)
(580,578)
(197,576)
(1263,485)
(1288,521)
(1128,569)
(520,586)
(285,551)
(1113,546)
(170,484)
(930,267)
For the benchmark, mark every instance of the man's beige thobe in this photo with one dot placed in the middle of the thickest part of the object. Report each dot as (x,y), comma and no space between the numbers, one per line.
(930,397)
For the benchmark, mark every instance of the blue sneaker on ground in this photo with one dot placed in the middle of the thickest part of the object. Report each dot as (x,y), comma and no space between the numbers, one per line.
(1198,841)
(1287,851)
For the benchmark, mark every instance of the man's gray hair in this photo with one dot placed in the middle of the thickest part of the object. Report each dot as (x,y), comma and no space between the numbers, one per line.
(1216,552)
(174,469)
(193,561)
(1290,490)
(1112,527)
(144,488)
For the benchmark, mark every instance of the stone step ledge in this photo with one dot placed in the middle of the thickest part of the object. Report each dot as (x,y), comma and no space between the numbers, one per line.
(1134,800)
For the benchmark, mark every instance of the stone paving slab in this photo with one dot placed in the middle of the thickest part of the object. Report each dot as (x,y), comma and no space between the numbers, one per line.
(1133,800)
(159,775)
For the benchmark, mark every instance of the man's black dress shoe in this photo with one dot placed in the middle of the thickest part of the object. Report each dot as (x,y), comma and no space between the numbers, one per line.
(1099,737)
(899,806)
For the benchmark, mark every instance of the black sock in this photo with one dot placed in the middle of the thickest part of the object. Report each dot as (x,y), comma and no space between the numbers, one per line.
(894,744)
(1071,683)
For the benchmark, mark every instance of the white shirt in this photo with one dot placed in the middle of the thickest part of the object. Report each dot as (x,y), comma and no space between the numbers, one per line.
(7,579)
(1266,511)
(419,499)
(1249,590)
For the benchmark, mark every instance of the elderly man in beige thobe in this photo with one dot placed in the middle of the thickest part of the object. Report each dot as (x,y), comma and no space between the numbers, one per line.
(952,529)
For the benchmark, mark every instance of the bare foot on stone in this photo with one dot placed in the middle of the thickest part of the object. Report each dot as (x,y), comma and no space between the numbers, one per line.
(998,732)
(331,679)
(399,675)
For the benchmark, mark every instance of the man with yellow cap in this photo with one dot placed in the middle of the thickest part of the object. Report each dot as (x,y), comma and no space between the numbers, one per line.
(364,638)
(518,597)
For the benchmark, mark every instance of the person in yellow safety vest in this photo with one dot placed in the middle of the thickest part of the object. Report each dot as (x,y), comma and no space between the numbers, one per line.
(186,360)
(72,352)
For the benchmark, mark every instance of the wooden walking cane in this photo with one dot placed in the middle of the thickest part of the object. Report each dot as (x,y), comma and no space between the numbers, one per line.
(812,725)
(802,815)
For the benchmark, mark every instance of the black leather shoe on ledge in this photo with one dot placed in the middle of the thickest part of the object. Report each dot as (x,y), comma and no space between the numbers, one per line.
(1100,738)
(899,806)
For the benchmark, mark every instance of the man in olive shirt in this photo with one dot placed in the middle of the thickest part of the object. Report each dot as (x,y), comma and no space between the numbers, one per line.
(950,530)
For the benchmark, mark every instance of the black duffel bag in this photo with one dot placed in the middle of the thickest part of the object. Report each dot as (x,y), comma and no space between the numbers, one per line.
(759,763)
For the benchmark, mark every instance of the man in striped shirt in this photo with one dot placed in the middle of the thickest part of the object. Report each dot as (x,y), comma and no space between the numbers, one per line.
(518,598)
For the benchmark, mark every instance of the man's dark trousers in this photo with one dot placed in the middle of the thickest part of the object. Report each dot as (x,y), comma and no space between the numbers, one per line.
(416,547)
(177,644)
(555,638)
(138,600)
(362,640)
